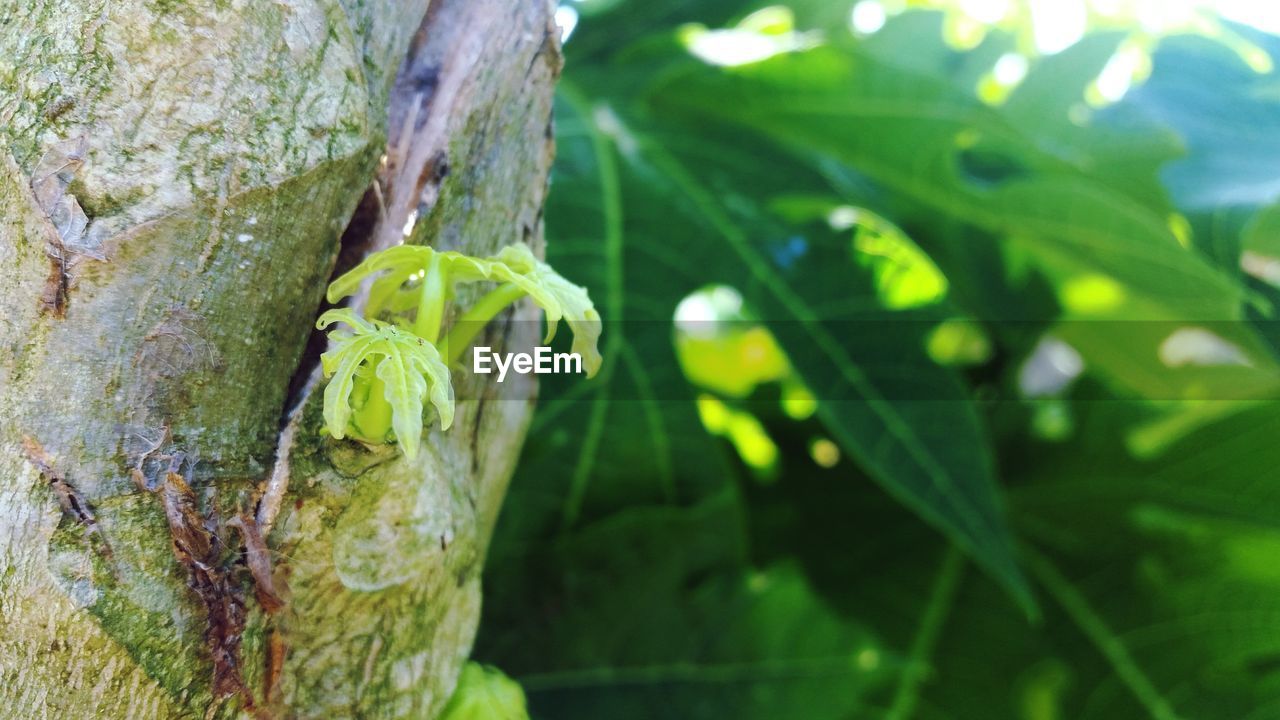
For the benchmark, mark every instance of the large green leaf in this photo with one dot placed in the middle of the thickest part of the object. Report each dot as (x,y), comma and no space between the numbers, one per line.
(1192,540)
(917,433)
(652,613)
(1068,211)
(960,159)
(638,573)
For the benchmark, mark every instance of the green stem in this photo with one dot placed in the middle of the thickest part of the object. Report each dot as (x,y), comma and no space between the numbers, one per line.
(1103,637)
(919,665)
(472,321)
(431,302)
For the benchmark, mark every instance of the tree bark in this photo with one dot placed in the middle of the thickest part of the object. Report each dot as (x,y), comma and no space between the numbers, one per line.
(178,538)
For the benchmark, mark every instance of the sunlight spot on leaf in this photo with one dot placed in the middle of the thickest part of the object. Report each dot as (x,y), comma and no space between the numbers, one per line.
(753,444)
(905,276)
(1262,15)
(700,313)
(721,349)
(1181,229)
(1044,687)
(696,315)
(867,659)
(824,452)
(735,362)
(1010,69)
(958,342)
(1128,66)
(729,47)
(759,36)
(1201,348)
(1092,294)
(986,11)
(1008,72)
(798,403)
(868,17)
(743,430)
(1052,420)
(1057,24)
(772,20)
(1050,369)
(962,32)
(842,217)
(714,414)
(1257,59)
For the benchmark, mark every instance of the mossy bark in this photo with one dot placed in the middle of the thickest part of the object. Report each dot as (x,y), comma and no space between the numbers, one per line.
(175,182)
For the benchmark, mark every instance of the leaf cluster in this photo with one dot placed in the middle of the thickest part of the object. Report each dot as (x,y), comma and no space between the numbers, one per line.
(391,358)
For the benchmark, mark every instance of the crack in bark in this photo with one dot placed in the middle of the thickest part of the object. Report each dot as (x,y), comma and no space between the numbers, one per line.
(71,238)
(258,559)
(201,552)
(72,502)
(57,288)
(277,482)
(271,596)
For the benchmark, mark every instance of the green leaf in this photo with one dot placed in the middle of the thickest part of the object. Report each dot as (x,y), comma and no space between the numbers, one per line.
(651,612)
(959,159)
(408,367)
(392,268)
(918,435)
(484,693)
(558,298)
(1168,567)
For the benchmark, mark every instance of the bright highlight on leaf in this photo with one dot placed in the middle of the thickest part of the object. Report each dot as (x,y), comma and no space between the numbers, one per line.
(1092,294)
(959,342)
(905,276)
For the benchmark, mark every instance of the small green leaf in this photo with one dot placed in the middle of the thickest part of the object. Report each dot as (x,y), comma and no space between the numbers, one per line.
(409,368)
(557,297)
(395,266)
(484,693)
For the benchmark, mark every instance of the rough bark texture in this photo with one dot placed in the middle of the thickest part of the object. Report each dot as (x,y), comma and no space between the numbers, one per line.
(175,180)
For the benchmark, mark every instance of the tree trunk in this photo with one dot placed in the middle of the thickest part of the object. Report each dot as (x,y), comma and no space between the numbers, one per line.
(175,193)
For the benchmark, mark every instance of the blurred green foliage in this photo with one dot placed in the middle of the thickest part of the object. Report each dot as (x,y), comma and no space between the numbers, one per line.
(930,389)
